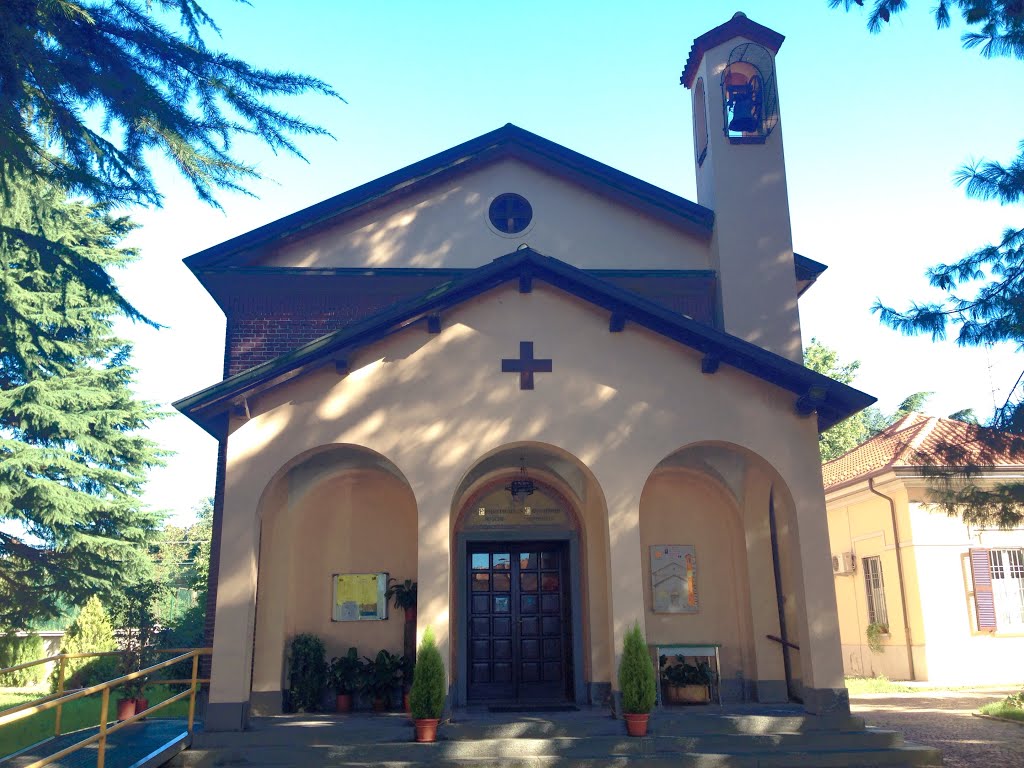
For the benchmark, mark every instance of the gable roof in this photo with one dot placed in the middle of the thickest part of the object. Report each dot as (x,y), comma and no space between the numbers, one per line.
(917,441)
(832,401)
(738,26)
(509,141)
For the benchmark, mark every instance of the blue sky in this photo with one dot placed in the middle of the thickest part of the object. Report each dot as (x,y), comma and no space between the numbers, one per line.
(874,127)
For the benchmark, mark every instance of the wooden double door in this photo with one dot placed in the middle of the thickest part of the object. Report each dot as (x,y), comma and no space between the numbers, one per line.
(519,629)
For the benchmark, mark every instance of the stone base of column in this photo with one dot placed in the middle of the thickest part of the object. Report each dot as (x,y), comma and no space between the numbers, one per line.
(226,716)
(827,701)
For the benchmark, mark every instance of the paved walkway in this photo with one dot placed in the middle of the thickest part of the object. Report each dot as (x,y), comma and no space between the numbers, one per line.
(943,719)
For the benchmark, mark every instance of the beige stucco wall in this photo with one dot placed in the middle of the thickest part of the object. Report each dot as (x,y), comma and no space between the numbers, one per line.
(352,521)
(862,524)
(954,649)
(448,227)
(433,404)
(945,644)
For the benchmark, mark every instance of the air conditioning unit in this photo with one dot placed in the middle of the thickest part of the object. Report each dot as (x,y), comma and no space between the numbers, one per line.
(844,564)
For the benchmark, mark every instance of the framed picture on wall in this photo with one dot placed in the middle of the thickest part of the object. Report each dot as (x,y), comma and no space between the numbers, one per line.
(674,578)
(359,596)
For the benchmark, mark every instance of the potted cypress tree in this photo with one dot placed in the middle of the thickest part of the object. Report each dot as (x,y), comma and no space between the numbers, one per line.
(636,682)
(426,700)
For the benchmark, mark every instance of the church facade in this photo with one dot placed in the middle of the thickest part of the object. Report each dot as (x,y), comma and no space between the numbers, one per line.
(559,399)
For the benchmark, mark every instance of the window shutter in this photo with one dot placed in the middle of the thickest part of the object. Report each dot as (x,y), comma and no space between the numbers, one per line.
(981,573)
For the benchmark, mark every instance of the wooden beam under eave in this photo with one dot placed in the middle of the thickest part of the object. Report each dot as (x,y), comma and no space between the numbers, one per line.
(709,363)
(341,366)
(617,322)
(433,323)
(525,282)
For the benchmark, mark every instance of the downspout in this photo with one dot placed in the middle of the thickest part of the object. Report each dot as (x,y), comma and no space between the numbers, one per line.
(783,634)
(899,576)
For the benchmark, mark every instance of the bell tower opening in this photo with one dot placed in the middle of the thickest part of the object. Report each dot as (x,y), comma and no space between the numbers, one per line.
(750,101)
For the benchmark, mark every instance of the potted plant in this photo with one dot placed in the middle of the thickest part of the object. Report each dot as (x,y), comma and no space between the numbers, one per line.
(875,632)
(307,671)
(345,674)
(404,597)
(381,674)
(426,700)
(636,682)
(686,683)
(407,665)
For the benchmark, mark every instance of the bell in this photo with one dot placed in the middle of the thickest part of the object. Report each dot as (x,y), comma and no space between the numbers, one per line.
(746,115)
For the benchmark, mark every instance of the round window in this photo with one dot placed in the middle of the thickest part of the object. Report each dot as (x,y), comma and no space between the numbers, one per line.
(510,213)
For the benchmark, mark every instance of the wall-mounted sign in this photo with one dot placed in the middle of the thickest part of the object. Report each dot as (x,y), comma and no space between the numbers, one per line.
(507,516)
(359,597)
(674,578)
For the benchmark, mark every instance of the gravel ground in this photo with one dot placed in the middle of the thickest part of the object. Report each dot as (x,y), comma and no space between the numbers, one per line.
(943,719)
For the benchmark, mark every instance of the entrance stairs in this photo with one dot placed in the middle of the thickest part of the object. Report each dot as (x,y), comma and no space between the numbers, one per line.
(719,738)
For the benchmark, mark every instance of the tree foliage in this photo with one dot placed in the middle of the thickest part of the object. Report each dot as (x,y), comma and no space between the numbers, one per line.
(91,91)
(90,632)
(88,88)
(984,289)
(72,461)
(851,432)
(181,566)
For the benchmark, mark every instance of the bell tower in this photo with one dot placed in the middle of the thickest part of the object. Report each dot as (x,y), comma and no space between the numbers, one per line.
(741,176)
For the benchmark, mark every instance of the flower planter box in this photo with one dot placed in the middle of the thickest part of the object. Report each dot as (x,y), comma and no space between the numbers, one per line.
(687,694)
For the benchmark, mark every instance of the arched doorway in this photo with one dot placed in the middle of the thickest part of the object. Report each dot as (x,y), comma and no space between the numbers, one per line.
(519,593)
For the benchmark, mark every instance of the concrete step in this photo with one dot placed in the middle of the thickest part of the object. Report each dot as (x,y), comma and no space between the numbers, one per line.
(602,745)
(577,740)
(906,756)
(693,725)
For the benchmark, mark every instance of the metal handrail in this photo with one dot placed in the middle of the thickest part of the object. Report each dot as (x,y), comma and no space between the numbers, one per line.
(59,699)
(62,658)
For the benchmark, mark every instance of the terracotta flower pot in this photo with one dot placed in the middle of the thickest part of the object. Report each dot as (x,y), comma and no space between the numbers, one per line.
(379,704)
(636,725)
(344,702)
(426,729)
(125,708)
(141,705)
(405,703)
(410,615)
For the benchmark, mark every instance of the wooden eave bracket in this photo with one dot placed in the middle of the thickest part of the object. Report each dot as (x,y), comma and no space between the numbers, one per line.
(526,281)
(810,401)
(433,323)
(710,362)
(617,322)
(241,408)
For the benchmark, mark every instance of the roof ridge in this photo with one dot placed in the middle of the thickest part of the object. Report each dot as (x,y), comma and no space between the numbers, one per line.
(922,430)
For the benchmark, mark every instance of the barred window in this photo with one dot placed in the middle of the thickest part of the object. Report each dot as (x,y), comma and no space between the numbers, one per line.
(875,592)
(1008,587)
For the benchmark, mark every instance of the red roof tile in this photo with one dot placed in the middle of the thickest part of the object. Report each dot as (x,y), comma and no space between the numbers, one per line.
(917,440)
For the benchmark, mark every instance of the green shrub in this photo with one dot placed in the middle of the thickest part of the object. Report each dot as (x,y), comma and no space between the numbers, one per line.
(90,632)
(636,674)
(307,673)
(426,699)
(16,650)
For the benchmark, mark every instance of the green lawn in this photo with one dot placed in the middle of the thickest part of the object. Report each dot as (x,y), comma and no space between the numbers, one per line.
(859,685)
(1012,707)
(81,713)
